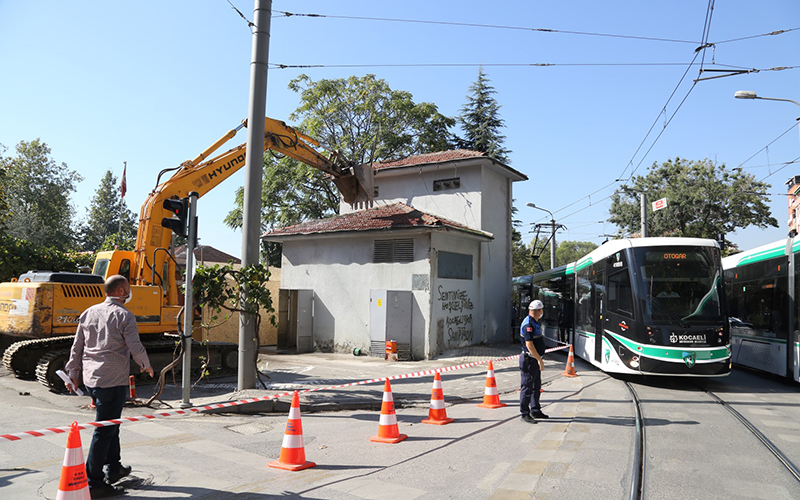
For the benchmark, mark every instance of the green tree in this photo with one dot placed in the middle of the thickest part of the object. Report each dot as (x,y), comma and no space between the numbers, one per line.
(571,251)
(703,200)
(37,192)
(481,122)
(362,118)
(522,262)
(19,256)
(101,230)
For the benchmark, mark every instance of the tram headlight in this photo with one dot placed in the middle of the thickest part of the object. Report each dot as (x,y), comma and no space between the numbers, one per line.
(653,334)
(634,362)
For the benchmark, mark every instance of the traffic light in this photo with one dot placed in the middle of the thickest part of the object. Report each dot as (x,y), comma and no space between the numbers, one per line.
(179,207)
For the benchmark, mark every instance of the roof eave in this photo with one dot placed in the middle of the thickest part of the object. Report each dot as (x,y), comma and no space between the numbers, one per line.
(280,238)
(513,174)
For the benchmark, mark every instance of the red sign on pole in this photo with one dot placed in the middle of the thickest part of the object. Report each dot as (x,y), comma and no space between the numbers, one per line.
(659,204)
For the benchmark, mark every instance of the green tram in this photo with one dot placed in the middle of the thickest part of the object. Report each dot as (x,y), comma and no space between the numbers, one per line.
(647,306)
(761,288)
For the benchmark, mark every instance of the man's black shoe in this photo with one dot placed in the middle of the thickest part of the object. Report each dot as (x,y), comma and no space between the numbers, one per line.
(113,477)
(528,418)
(539,414)
(106,490)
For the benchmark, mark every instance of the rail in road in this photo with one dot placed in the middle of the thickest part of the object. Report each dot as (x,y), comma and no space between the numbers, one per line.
(682,438)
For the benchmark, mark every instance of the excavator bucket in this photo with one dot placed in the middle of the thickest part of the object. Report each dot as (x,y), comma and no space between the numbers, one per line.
(357,189)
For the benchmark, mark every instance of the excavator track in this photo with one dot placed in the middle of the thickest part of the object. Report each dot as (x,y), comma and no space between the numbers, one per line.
(47,366)
(21,358)
(51,357)
(40,358)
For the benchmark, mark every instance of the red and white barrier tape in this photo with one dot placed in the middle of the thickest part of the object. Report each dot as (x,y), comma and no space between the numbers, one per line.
(105,423)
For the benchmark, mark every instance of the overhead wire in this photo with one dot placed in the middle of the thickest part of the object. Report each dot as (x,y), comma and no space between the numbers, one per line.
(701,50)
(704,45)
(768,145)
(526,28)
(509,65)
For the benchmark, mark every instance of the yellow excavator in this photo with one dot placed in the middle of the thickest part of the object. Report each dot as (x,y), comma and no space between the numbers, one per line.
(39,311)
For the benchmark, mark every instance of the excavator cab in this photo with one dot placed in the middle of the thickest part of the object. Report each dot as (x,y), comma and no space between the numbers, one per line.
(113,262)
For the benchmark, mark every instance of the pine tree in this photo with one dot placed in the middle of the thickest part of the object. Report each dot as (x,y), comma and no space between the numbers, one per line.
(481,122)
(101,229)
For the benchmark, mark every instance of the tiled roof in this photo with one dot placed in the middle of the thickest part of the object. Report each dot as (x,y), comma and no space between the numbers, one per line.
(385,217)
(206,254)
(442,156)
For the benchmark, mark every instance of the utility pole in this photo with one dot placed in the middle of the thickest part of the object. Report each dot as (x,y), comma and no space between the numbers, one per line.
(254,168)
(552,243)
(644,214)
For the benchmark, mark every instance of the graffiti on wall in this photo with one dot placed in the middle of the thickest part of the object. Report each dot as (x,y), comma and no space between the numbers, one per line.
(457,307)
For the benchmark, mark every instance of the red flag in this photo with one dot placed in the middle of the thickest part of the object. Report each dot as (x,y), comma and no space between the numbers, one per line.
(123,186)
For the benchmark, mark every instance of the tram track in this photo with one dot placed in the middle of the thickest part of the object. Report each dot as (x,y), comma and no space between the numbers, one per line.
(638,470)
(779,455)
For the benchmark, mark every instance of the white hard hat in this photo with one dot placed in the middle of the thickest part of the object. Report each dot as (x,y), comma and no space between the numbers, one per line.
(536,304)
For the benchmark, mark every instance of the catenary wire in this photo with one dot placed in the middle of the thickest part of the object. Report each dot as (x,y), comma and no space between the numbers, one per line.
(768,145)
(701,50)
(507,65)
(524,28)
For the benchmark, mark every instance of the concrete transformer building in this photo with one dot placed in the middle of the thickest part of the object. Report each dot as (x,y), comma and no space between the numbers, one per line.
(429,265)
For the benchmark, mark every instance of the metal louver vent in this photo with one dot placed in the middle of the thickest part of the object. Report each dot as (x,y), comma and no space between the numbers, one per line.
(397,250)
(83,291)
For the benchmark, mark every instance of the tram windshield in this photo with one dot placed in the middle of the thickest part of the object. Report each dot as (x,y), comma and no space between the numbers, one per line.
(680,284)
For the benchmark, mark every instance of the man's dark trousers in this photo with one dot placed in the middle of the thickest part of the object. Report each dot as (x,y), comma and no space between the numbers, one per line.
(105,447)
(530,384)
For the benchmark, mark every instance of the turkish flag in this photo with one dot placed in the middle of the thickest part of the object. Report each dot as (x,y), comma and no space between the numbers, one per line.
(123,185)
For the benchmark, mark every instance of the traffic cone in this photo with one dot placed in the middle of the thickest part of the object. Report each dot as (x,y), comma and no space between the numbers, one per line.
(74,484)
(569,371)
(388,431)
(132,387)
(293,453)
(437,414)
(491,398)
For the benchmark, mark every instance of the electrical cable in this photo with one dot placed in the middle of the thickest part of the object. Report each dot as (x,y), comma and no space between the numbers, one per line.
(507,65)
(524,28)
(768,145)
(700,50)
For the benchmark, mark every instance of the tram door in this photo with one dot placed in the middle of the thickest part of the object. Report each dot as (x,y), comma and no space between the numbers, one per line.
(598,292)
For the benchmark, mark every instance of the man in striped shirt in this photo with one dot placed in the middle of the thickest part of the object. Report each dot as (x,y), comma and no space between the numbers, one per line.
(106,338)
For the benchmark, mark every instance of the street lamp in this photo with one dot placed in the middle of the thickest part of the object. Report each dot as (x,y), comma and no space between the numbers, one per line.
(552,233)
(750,94)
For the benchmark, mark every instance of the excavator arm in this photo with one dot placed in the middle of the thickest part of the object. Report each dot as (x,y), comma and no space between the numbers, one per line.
(154,265)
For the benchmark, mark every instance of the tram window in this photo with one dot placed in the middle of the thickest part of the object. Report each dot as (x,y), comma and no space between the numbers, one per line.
(620,298)
(585,307)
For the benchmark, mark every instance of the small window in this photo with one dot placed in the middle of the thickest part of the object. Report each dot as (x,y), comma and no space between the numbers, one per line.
(396,250)
(446,184)
(620,298)
(125,268)
(454,265)
(100,267)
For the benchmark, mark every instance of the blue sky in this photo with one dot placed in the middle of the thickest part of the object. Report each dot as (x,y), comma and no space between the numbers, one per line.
(154,83)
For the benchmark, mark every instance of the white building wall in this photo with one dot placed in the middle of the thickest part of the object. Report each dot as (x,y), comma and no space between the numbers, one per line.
(341,272)
(456,313)
(483,201)
(496,265)
(415,188)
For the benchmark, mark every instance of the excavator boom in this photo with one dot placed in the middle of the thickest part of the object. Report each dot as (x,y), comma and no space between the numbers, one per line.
(203,173)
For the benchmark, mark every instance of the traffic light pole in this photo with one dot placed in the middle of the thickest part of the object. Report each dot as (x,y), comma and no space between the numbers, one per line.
(188,304)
